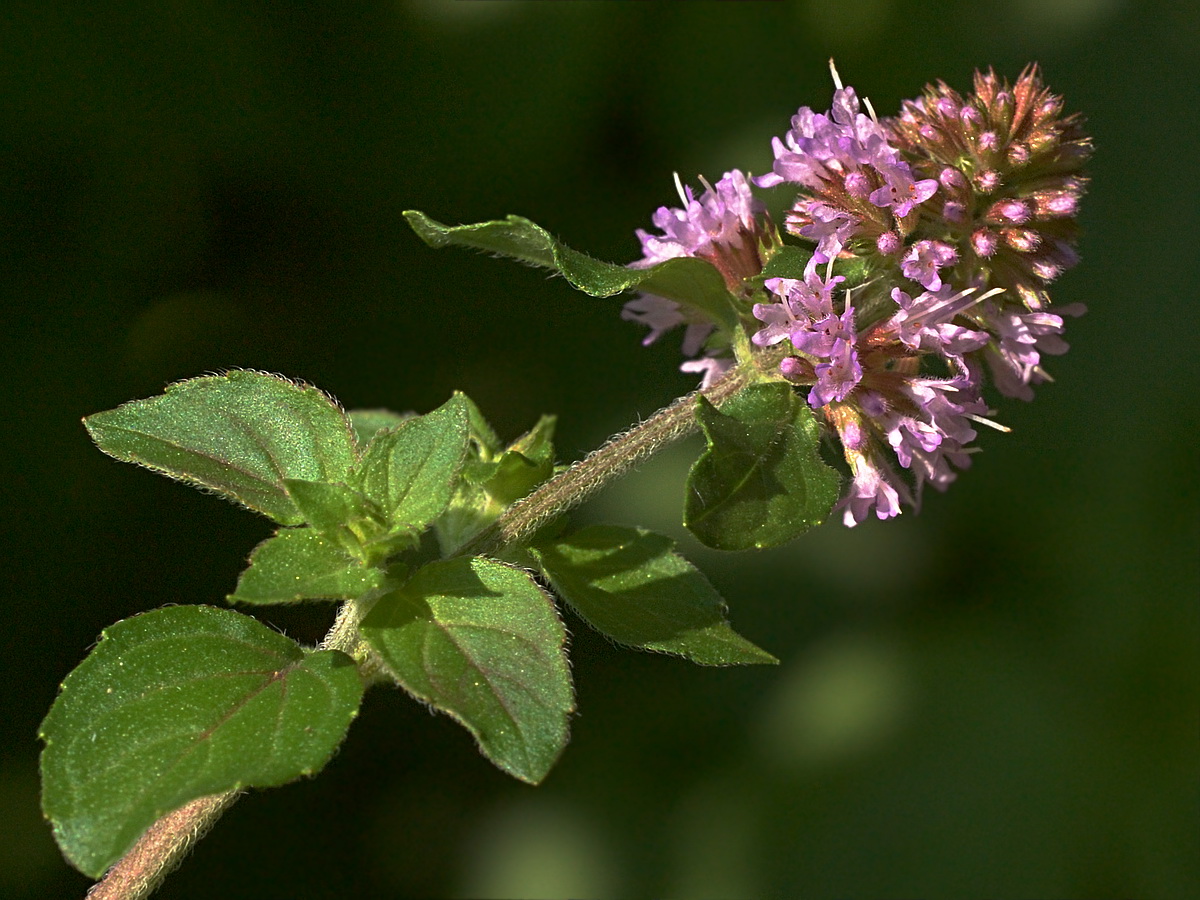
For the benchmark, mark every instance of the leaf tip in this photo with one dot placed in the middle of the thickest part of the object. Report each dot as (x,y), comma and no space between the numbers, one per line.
(424,227)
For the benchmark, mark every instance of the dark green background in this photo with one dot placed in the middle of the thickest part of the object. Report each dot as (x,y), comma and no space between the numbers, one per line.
(996,698)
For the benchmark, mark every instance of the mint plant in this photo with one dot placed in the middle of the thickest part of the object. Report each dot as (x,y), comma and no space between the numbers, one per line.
(852,347)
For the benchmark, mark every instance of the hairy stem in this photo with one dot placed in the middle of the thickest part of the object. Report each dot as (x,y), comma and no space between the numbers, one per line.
(159,851)
(602,466)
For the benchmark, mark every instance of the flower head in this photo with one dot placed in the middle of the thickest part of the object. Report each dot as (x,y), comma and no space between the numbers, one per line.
(854,181)
(1011,162)
(727,226)
(956,215)
(870,387)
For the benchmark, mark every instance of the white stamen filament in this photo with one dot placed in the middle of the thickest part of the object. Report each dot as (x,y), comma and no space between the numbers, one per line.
(679,189)
(982,420)
(967,293)
(837,80)
(837,83)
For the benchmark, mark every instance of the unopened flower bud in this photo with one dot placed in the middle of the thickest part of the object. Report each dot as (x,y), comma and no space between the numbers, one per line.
(1055,204)
(1023,240)
(889,243)
(1010,212)
(955,212)
(795,369)
(987,181)
(953,179)
(984,243)
(947,107)
(858,185)
(1046,270)
(1018,155)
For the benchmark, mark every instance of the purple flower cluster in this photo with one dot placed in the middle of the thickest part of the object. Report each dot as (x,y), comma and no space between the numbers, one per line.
(960,211)
(727,226)
(869,385)
(857,182)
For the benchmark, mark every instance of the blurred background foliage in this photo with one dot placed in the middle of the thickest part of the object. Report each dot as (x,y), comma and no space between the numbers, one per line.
(996,698)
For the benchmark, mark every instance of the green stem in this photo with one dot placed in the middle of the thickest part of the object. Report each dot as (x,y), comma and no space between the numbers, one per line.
(167,841)
(580,481)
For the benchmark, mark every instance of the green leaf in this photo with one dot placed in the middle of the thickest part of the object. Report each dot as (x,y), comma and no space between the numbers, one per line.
(302,564)
(788,261)
(350,519)
(328,507)
(524,465)
(484,447)
(240,434)
(690,281)
(412,471)
(537,443)
(482,642)
(482,434)
(493,479)
(369,422)
(760,482)
(629,584)
(515,476)
(181,703)
(509,474)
